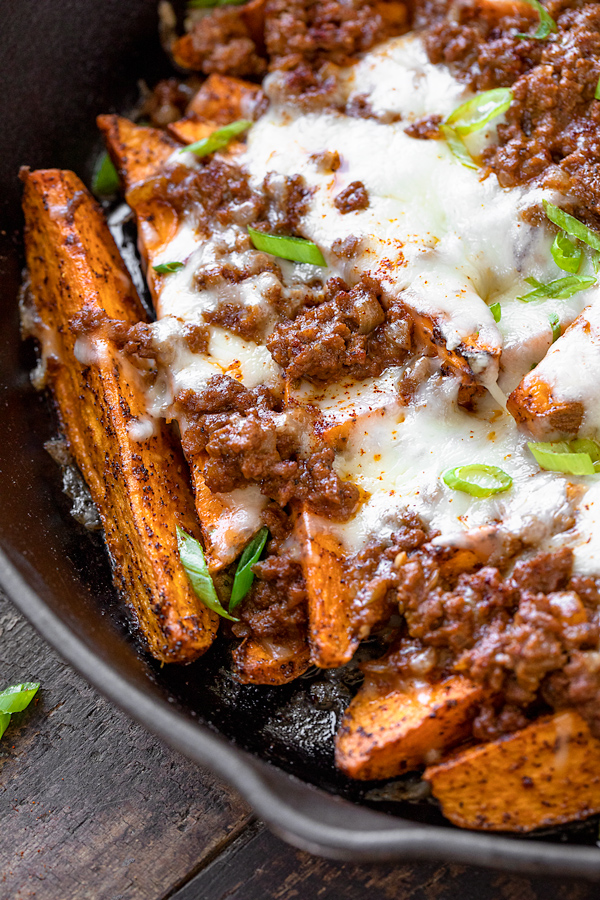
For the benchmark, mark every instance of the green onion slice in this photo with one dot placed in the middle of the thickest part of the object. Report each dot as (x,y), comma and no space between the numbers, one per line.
(566,254)
(192,559)
(546,24)
(294,248)
(572,225)
(166,268)
(597,91)
(4,722)
(555,326)
(496,311)
(457,147)
(244,576)
(578,457)
(106,180)
(478,480)
(479,110)
(557,290)
(218,139)
(18,697)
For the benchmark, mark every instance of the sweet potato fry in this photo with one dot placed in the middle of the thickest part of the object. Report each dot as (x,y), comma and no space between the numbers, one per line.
(256,663)
(223,99)
(331,633)
(390,729)
(544,775)
(137,151)
(191,129)
(138,484)
(547,401)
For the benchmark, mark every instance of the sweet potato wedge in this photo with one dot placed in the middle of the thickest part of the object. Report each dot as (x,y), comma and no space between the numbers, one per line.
(223,99)
(544,775)
(138,485)
(256,663)
(157,224)
(547,401)
(390,729)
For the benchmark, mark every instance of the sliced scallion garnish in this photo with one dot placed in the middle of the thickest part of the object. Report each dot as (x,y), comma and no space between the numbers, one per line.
(457,147)
(15,699)
(294,248)
(244,576)
(557,290)
(106,180)
(217,139)
(478,480)
(496,311)
(192,559)
(555,326)
(475,113)
(546,24)
(578,457)
(167,268)
(572,225)
(566,254)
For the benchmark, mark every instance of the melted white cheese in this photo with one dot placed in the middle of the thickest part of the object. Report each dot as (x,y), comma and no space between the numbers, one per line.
(450,242)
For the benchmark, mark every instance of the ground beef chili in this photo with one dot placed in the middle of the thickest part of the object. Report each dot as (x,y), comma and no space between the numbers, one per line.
(552,128)
(354,197)
(349,334)
(248,437)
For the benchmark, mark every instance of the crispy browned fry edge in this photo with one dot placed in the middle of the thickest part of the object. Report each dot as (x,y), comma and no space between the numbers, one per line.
(220,100)
(139,153)
(331,635)
(532,404)
(139,488)
(253,663)
(546,774)
(390,729)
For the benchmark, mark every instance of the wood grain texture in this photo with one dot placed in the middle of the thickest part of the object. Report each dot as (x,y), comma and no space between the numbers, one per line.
(91,806)
(258,866)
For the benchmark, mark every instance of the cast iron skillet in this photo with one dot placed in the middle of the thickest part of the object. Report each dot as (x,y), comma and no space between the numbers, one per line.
(64,61)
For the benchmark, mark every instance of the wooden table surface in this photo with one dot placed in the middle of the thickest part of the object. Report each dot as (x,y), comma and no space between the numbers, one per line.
(91,806)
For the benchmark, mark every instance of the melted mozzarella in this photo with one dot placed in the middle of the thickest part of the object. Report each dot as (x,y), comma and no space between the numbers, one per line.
(450,242)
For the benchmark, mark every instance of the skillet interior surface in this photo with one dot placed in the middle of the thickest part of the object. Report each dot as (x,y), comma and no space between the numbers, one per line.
(63,64)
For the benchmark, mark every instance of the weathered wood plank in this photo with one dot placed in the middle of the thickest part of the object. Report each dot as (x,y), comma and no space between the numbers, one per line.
(90,804)
(258,866)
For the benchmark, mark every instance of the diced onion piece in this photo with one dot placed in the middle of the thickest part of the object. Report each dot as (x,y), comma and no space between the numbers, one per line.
(293,248)
(478,480)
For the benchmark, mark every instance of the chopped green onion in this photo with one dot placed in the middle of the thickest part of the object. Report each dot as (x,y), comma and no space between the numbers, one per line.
(106,180)
(496,311)
(217,139)
(478,480)
(4,722)
(565,253)
(244,576)
(557,290)
(578,457)
(546,24)
(572,225)
(457,147)
(17,697)
(479,110)
(597,91)
(294,248)
(555,326)
(192,559)
(166,268)
(207,4)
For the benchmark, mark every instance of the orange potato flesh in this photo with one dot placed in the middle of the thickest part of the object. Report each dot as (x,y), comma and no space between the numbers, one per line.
(546,774)
(331,634)
(255,662)
(223,99)
(139,486)
(389,729)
